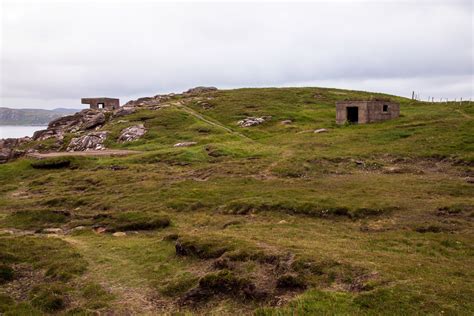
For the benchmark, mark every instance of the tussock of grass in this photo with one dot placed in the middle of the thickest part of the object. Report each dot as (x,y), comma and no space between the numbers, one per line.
(126,221)
(52,163)
(36,219)
(304,208)
(49,298)
(201,248)
(54,256)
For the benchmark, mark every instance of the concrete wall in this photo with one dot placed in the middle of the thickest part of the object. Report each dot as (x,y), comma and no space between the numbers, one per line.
(369,111)
(109,103)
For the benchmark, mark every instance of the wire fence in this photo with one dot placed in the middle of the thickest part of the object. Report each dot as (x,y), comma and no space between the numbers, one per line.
(460,100)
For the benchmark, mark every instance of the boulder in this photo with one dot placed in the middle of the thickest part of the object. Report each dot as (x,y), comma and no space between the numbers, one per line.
(119,234)
(91,141)
(286,122)
(252,121)
(185,144)
(124,111)
(132,133)
(48,133)
(92,120)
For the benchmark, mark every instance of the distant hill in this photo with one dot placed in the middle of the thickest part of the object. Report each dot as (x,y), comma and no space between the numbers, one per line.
(31,116)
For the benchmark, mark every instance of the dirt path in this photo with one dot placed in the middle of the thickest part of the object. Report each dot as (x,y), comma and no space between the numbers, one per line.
(107,152)
(202,118)
(464,114)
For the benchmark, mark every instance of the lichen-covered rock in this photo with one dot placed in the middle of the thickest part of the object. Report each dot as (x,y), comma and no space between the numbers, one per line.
(252,121)
(132,133)
(91,141)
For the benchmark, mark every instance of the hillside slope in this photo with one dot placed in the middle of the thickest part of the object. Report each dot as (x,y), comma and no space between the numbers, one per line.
(268,219)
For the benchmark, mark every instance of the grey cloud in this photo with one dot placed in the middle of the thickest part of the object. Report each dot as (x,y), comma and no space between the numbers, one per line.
(56,52)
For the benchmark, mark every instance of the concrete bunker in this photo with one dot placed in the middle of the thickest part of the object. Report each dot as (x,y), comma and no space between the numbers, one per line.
(102,103)
(362,112)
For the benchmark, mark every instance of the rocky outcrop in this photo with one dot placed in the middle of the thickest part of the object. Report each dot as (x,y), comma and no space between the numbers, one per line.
(9,148)
(91,141)
(200,90)
(132,133)
(252,121)
(149,101)
(81,121)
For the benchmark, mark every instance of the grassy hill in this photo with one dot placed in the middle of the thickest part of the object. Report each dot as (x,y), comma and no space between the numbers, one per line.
(271,219)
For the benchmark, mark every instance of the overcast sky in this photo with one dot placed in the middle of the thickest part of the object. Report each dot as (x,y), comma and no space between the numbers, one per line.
(55,52)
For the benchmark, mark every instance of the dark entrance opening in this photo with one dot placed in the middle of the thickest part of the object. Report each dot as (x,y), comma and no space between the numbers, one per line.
(352,114)
(100,105)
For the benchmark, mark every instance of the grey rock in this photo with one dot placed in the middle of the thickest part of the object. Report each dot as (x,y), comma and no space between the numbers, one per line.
(124,111)
(93,120)
(132,133)
(286,122)
(252,121)
(91,141)
(185,144)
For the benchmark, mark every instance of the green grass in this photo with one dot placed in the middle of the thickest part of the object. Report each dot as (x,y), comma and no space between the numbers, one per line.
(361,220)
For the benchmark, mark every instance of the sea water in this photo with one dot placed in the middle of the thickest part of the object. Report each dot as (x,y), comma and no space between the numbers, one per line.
(17,131)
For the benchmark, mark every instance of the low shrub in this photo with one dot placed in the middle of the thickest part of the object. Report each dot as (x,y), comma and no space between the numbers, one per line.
(6,273)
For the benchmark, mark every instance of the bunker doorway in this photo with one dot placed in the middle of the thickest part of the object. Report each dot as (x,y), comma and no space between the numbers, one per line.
(352,114)
(100,105)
